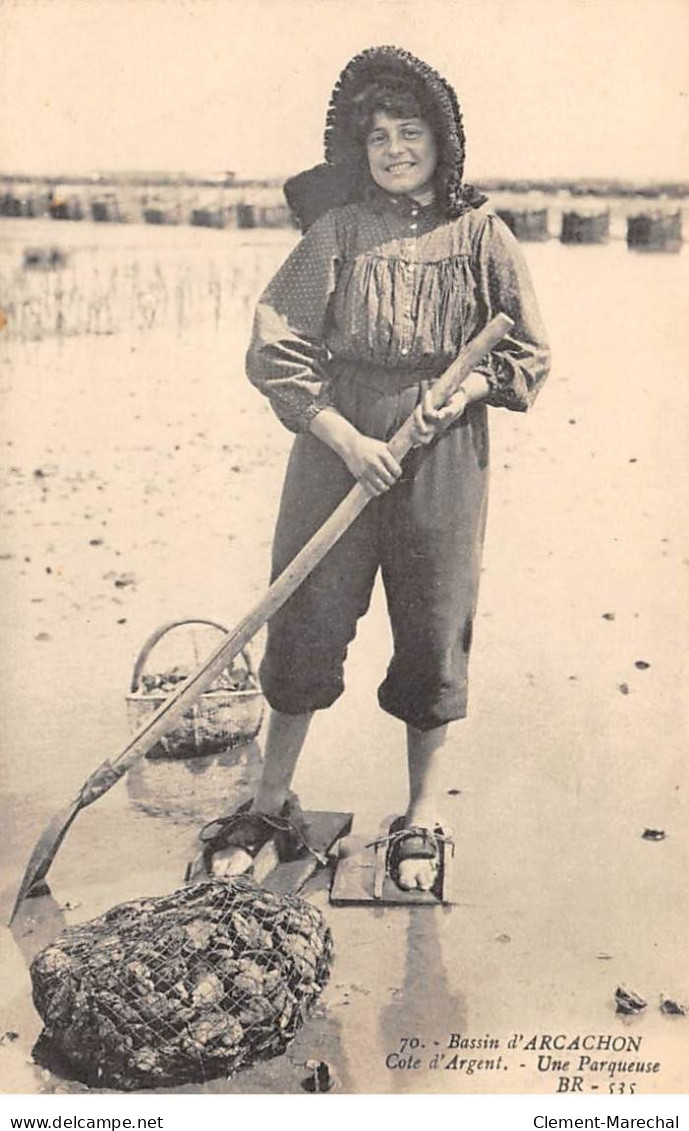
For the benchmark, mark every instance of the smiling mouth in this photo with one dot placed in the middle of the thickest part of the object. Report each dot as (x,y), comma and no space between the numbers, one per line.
(401,167)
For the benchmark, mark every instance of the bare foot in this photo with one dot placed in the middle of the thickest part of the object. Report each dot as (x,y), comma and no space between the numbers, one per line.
(230,862)
(415,874)
(418,860)
(235,860)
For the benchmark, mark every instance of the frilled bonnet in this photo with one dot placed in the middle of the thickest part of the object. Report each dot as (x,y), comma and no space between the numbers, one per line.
(344,177)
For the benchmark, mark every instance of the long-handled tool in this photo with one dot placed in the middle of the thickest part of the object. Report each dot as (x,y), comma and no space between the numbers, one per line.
(105,776)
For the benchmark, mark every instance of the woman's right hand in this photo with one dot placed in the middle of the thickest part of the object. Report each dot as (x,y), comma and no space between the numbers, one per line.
(371,463)
(368,460)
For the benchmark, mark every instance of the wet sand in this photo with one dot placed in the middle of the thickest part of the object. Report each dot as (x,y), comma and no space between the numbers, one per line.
(140,483)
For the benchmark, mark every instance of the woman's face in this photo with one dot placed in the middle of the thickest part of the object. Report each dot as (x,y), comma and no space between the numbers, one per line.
(402,155)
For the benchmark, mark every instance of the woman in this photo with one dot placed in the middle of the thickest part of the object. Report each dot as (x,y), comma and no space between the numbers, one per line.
(369,309)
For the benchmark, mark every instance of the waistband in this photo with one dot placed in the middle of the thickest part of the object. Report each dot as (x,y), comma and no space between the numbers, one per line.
(383,379)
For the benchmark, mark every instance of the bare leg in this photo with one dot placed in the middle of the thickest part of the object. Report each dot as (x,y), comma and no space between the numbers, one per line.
(424,757)
(284,742)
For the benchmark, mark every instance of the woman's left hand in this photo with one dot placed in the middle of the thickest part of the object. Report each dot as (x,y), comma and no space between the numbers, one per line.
(430,422)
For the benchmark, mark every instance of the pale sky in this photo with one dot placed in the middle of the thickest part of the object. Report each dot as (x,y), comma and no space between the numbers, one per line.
(560,88)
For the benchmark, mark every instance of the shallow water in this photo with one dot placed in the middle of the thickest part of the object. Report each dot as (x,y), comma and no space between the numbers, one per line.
(142,457)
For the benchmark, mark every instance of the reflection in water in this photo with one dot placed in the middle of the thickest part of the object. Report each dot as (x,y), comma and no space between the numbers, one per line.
(37,924)
(196,787)
(424,1008)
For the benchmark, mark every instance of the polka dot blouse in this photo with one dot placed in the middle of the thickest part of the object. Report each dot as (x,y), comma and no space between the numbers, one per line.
(395,285)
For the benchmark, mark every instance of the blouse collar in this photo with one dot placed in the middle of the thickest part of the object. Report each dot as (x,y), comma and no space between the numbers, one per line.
(403,205)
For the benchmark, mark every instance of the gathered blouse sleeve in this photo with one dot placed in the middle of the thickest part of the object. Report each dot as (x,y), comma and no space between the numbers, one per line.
(287,356)
(519,364)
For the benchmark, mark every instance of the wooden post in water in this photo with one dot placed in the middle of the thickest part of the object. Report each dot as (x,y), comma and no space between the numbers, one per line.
(208,217)
(10,205)
(526,224)
(264,216)
(655,231)
(160,215)
(246,216)
(66,208)
(107,210)
(582,227)
(275,216)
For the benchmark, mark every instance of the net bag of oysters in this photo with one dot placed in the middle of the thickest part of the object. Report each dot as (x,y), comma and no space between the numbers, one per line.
(180,988)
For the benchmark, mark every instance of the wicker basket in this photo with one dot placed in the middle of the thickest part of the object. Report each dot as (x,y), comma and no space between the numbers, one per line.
(218,719)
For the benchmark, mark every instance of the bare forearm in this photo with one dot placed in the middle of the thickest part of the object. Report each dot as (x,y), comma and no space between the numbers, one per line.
(370,461)
(334,430)
(476,387)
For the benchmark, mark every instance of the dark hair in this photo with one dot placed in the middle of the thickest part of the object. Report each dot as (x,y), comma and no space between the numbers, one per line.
(397,98)
(400,97)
